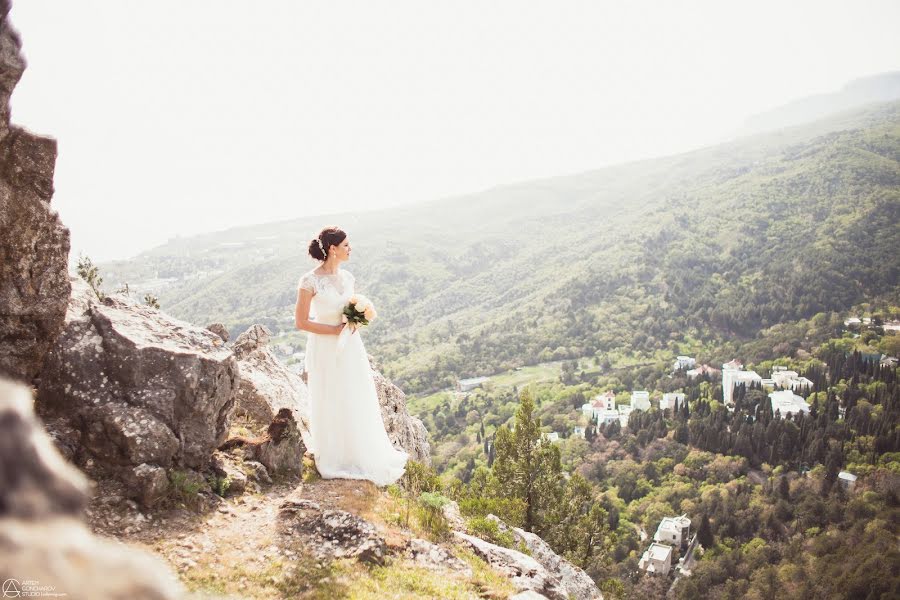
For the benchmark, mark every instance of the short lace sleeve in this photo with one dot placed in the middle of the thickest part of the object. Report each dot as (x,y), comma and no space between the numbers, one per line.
(307,282)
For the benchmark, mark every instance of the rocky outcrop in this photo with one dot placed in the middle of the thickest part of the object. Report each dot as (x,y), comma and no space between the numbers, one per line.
(44,546)
(266,385)
(577,583)
(402,428)
(141,391)
(34,245)
(555,573)
(219,330)
(523,571)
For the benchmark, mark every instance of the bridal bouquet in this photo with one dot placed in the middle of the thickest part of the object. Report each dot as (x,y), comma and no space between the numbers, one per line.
(358,312)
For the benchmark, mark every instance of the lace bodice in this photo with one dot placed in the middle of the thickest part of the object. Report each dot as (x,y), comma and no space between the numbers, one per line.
(330,294)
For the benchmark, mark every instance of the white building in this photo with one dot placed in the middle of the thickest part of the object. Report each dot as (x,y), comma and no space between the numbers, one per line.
(464,385)
(790,380)
(847,479)
(684,362)
(640,400)
(604,411)
(672,401)
(732,375)
(578,432)
(733,365)
(673,530)
(552,436)
(608,399)
(787,402)
(657,559)
(601,404)
(609,416)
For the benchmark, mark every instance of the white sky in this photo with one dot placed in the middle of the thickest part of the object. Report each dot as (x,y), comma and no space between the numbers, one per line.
(186,116)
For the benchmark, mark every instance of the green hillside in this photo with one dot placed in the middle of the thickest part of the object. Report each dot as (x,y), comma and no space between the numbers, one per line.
(636,259)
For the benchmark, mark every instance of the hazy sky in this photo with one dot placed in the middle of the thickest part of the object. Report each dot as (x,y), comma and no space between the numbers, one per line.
(185,116)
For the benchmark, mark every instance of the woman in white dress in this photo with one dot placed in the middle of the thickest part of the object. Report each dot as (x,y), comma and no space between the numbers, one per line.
(348,436)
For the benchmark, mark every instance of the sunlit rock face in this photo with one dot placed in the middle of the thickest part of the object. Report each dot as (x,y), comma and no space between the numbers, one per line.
(140,391)
(34,244)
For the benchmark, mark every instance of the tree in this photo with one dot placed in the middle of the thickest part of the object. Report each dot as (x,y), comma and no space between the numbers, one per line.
(578,525)
(528,467)
(704,532)
(88,271)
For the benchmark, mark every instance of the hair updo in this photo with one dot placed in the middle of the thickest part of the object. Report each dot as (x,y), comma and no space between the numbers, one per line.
(330,236)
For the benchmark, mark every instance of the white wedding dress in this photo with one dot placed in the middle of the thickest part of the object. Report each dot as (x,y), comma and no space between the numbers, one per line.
(348,435)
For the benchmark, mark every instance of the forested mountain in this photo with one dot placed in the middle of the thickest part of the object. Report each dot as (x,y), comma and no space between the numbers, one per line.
(638,258)
(883,87)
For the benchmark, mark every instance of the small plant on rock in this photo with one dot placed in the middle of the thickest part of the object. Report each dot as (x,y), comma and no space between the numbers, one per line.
(219,484)
(88,271)
(185,489)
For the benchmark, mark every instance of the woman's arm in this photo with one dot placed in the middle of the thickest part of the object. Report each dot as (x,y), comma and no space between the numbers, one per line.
(301,316)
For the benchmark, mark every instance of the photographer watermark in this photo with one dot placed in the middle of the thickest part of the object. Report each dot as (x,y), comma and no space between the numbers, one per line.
(29,588)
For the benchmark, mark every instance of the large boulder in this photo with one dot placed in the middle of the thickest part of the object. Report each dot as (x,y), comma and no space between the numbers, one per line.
(34,244)
(140,389)
(44,545)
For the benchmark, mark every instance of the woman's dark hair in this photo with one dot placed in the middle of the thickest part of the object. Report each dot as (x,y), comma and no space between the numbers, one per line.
(328,237)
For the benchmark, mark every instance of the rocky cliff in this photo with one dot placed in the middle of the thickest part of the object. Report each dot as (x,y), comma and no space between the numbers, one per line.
(34,245)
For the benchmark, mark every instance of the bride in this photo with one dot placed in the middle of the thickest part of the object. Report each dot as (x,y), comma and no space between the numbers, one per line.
(347,431)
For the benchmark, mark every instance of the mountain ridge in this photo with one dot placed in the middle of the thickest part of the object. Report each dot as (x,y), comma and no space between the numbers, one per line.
(566,259)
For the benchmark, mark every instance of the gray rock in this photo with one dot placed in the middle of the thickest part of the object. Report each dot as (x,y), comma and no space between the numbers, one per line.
(454,517)
(402,428)
(433,556)
(256,336)
(151,482)
(223,466)
(524,572)
(576,582)
(42,539)
(257,472)
(35,482)
(34,244)
(266,385)
(219,330)
(281,450)
(333,533)
(139,387)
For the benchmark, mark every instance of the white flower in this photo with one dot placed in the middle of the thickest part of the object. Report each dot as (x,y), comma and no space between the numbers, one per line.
(361,303)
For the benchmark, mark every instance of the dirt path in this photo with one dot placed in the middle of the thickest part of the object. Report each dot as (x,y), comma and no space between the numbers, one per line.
(229,548)
(236,549)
